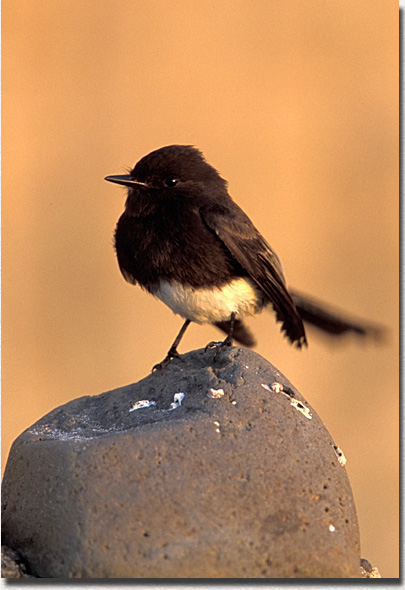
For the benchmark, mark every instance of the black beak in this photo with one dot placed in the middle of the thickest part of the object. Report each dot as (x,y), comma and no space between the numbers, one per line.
(124,179)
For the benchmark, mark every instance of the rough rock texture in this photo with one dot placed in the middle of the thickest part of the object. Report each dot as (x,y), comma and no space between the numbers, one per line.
(12,566)
(367,570)
(239,481)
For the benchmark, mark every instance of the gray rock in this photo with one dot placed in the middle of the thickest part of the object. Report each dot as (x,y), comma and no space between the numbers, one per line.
(239,481)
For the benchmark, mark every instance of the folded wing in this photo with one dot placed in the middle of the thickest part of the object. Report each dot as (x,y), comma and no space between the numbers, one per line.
(254,254)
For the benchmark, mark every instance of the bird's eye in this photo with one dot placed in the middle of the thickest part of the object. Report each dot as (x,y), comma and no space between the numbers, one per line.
(171,181)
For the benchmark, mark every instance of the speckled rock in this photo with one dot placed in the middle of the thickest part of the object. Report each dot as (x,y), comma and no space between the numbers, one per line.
(12,566)
(200,470)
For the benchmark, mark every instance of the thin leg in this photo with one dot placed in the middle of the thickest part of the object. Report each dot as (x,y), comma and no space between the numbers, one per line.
(173,349)
(227,342)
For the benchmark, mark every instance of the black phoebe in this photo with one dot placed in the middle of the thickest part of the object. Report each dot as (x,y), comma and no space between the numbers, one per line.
(183,239)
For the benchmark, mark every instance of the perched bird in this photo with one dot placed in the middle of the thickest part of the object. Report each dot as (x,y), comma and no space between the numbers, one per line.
(183,239)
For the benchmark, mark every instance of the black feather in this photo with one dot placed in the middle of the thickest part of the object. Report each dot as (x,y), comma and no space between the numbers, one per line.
(190,232)
(254,254)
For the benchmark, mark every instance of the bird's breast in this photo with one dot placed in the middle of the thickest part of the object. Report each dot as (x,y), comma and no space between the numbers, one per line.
(173,248)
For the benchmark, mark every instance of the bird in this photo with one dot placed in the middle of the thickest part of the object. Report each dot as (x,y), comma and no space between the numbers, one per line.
(183,239)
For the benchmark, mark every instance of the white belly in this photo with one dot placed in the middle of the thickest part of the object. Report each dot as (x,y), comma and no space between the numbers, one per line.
(211,305)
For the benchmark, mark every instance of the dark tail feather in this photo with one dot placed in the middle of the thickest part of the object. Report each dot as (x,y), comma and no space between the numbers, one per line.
(319,315)
(240,332)
(332,321)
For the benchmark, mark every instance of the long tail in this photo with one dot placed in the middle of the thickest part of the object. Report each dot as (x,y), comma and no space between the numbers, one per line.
(333,321)
(320,315)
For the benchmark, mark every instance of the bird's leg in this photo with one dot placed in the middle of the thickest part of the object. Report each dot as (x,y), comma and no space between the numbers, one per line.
(173,349)
(225,343)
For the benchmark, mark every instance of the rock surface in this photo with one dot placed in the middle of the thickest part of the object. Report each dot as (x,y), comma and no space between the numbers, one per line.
(12,566)
(235,479)
(367,570)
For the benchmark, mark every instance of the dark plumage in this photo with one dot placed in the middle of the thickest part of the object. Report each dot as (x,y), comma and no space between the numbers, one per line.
(186,241)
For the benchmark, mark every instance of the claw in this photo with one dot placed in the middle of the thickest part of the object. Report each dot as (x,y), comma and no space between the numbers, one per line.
(172,354)
(212,344)
(219,346)
(160,365)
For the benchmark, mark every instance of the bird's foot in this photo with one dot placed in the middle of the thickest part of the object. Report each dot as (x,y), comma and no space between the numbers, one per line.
(172,354)
(219,346)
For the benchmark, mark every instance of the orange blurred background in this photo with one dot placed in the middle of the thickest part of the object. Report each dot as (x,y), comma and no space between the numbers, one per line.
(296,104)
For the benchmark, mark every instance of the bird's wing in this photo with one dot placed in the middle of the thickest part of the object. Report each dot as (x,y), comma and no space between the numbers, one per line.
(253,253)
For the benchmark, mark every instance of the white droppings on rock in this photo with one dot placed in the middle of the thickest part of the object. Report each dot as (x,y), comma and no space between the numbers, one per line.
(75,433)
(177,399)
(142,403)
(277,387)
(215,393)
(301,408)
(340,455)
